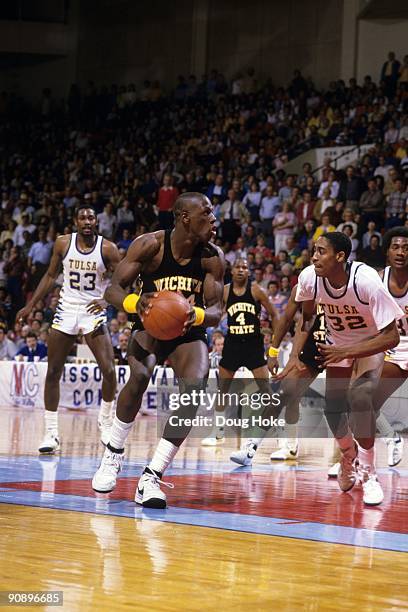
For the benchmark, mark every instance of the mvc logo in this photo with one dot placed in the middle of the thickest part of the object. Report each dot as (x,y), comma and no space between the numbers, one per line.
(24,386)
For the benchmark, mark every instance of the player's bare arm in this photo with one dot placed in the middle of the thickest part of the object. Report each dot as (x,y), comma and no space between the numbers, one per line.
(303,328)
(47,282)
(214,288)
(261,296)
(385,340)
(140,253)
(281,328)
(111,257)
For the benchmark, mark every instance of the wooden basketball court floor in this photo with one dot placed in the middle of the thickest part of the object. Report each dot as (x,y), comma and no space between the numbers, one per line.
(270,537)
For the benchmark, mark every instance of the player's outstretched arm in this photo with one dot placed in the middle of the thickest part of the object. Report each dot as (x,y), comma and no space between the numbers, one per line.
(386,339)
(140,252)
(280,329)
(214,289)
(302,331)
(48,280)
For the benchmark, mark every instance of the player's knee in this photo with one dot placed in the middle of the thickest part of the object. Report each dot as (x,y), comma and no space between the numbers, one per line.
(139,381)
(361,398)
(108,370)
(54,373)
(336,404)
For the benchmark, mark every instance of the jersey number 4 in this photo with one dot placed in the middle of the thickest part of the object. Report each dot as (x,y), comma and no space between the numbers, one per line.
(88,285)
(353,322)
(241,319)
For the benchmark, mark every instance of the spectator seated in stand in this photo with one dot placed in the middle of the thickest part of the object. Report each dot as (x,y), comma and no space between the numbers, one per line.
(33,350)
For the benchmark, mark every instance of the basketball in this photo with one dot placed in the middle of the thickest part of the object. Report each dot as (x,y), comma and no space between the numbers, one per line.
(167,317)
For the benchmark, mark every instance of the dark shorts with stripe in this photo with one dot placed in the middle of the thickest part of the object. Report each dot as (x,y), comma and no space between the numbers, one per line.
(248,353)
(309,356)
(162,349)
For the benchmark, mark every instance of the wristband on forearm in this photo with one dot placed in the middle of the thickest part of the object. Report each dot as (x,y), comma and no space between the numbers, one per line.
(130,303)
(273,352)
(200,314)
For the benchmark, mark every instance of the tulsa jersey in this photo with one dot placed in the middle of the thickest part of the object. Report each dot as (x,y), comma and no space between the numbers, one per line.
(84,274)
(399,354)
(356,311)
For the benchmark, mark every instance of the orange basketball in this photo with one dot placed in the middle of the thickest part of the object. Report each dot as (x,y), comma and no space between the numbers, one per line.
(166,319)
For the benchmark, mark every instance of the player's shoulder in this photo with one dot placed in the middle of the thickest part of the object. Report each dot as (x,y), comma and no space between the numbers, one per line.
(363,271)
(211,250)
(62,243)
(308,274)
(148,244)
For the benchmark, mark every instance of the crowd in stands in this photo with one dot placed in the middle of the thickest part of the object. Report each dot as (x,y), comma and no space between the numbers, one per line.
(130,153)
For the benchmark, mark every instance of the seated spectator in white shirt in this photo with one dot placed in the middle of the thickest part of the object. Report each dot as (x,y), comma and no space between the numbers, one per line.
(107,222)
(332,184)
(7,348)
(348,219)
(371,231)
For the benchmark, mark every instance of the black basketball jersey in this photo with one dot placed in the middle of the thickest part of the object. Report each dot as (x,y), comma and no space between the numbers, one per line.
(243,314)
(310,352)
(318,331)
(187,279)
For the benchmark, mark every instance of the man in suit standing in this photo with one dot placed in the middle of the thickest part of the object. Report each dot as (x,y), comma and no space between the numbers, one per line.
(390,74)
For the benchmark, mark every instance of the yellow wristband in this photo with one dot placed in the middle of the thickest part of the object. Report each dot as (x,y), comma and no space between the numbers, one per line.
(200,314)
(273,352)
(130,303)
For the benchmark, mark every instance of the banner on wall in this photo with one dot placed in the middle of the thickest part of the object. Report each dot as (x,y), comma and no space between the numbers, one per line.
(22,384)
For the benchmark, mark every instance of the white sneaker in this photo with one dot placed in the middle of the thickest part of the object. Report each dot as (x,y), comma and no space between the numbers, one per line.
(289,450)
(372,491)
(104,480)
(333,471)
(148,493)
(212,441)
(105,426)
(50,443)
(395,448)
(347,475)
(245,455)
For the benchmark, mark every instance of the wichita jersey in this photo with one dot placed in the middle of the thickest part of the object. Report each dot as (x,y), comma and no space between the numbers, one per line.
(243,314)
(170,275)
(356,311)
(400,352)
(83,273)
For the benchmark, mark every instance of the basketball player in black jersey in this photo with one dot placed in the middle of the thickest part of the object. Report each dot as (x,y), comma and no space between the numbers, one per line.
(299,374)
(182,260)
(243,346)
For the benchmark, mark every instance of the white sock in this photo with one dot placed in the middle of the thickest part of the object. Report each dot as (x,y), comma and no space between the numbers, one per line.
(366,458)
(291,432)
(258,435)
(105,409)
(163,455)
(119,433)
(51,421)
(384,427)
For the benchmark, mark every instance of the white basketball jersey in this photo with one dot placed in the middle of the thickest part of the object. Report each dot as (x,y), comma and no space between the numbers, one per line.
(356,311)
(402,324)
(83,274)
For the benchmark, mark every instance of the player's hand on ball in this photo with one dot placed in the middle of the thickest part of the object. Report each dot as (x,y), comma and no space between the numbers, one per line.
(23,314)
(294,365)
(96,306)
(145,304)
(331,354)
(189,322)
